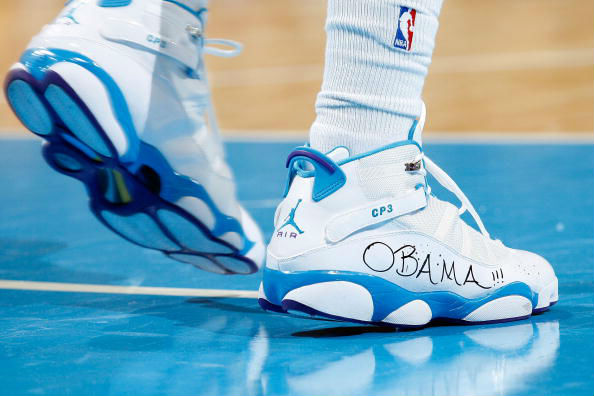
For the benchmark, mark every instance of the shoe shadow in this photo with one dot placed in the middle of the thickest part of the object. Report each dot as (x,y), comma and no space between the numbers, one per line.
(343,331)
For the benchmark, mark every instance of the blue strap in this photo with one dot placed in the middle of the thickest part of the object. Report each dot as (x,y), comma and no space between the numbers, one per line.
(114,3)
(329,178)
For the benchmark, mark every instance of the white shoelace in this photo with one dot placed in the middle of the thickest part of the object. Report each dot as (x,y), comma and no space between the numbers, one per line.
(210,47)
(447,182)
(235,47)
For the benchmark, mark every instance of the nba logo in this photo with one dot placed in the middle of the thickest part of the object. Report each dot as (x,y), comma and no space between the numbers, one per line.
(406,28)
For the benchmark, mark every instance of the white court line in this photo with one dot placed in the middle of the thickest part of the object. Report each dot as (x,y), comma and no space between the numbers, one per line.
(131,290)
(509,61)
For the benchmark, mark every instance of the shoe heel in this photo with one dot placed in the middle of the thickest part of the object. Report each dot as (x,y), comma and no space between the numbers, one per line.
(84,106)
(28,105)
(50,105)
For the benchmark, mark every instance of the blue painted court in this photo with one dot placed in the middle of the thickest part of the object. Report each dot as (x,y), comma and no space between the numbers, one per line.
(63,332)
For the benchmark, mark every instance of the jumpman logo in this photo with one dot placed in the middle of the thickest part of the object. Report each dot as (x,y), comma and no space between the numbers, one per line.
(290,220)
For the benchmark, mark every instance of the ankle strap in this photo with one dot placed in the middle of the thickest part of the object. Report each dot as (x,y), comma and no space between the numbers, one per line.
(347,223)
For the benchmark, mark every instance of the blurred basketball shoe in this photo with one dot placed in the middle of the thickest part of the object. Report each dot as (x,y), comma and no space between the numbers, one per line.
(118,91)
(362,239)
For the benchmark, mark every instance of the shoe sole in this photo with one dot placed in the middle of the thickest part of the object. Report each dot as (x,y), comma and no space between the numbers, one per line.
(126,197)
(364,299)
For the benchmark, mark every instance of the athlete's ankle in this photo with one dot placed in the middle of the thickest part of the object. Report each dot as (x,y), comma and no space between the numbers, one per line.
(377,57)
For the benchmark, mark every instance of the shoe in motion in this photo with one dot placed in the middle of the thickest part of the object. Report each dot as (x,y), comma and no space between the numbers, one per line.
(117,89)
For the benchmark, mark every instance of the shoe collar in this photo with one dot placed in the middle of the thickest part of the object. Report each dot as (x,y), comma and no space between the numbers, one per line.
(330,174)
(307,162)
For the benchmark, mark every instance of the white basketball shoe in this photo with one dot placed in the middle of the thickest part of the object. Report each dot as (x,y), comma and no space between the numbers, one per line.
(118,91)
(362,239)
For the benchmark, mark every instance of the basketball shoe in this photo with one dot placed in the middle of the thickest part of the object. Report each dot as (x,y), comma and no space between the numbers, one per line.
(118,91)
(362,239)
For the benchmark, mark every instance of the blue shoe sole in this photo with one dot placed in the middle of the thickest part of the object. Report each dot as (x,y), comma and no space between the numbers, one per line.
(125,196)
(448,308)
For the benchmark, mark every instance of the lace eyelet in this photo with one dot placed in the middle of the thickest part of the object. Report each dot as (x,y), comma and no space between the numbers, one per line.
(195,32)
(412,166)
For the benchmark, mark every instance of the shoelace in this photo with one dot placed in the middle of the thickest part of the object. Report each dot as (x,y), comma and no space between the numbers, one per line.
(196,33)
(209,47)
(447,182)
(236,47)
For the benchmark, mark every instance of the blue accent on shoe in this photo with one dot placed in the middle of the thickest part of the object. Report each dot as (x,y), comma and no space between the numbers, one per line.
(412,130)
(290,220)
(232,264)
(114,3)
(201,262)
(290,305)
(329,178)
(82,147)
(29,107)
(387,296)
(380,149)
(268,306)
(141,229)
(111,192)
(188,235)
(180,186)
(67,163)
(75,119)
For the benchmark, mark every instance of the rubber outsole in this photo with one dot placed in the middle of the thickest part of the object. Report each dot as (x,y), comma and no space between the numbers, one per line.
(124,198)
(288,305)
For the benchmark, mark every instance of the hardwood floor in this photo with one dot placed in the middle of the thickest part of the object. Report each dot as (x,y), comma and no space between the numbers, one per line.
(500,66)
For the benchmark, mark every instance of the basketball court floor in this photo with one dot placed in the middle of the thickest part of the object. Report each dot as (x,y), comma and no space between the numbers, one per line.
(83,312)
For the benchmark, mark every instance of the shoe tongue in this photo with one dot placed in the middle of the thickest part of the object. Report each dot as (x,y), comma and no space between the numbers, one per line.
(338,154)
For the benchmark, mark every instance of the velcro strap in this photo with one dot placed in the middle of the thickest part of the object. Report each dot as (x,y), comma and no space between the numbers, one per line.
(175,43)
(344,224)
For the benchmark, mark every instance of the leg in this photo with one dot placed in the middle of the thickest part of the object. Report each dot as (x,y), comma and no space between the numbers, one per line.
(377,57)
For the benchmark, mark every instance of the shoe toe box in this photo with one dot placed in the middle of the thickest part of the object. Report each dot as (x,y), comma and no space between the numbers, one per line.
(539,274)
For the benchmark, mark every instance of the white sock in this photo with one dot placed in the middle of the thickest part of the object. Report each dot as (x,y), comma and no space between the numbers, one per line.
(371,92)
